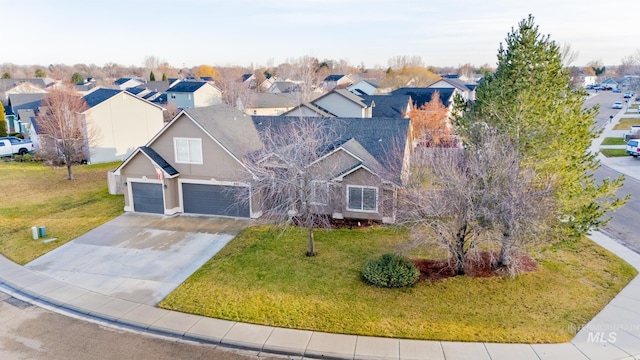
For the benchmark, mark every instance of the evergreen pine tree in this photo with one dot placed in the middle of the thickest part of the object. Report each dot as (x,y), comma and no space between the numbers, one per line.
(530,98)
(164,77)
(152,76)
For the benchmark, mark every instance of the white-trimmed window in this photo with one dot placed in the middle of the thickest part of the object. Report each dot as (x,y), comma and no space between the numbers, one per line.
(319,192)
(362,198)
(188,150)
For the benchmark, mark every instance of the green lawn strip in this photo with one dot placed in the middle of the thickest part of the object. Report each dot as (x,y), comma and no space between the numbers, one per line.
(37,195)
(626,123)
(263,277)
(614,152)
(613,141)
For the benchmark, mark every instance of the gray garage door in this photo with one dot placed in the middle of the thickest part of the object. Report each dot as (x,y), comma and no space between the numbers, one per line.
(215,199)
(147,198)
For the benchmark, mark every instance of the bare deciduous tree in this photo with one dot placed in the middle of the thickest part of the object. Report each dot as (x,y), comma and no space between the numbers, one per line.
(65,135)
(285,178)
(460,199)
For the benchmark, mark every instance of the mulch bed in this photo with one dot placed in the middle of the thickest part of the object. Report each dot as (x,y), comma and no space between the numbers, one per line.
(482,264)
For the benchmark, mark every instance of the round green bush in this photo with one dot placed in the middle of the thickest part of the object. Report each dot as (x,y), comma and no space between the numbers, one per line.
(391,271)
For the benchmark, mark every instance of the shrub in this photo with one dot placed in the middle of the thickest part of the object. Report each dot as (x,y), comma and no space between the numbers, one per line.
(391,271)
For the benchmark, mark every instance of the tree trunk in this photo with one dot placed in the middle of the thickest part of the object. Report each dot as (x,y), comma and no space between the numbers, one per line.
(505,250)
(69,172)
(459,255)
(312,248)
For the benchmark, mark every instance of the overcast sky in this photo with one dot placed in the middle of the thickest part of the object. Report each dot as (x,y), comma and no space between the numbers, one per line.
(268,32)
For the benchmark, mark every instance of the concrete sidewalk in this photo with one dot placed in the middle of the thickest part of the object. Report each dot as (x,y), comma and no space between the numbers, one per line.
(613,334)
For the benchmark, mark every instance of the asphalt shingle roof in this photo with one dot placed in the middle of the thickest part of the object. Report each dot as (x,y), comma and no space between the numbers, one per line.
(186,86)
(420,96)
(98,96)
(159,160)
(383,138)
(392,105)
(230,126)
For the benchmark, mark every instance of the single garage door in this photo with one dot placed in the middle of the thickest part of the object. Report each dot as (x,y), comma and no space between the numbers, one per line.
(147,197)
(216,199)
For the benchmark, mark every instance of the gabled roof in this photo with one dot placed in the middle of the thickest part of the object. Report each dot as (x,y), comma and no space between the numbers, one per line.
(6,84)
(124,80)
(284,86)
(247,76)
(455,82)
(420,96)
(100,95)
(159,160)
(346,94)
(26,101)
(158,86)
(135,90)
(320,112)
(383,138)
(334,77)
(229,126)
(389,105)
(187,86)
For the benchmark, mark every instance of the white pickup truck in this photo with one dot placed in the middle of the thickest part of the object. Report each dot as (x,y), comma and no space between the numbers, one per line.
(11,145)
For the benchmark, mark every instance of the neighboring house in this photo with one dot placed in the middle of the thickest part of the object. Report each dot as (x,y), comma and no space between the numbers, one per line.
(421,96)
(128,82)
(337,81)
(360,175)
(343,103)
(467,91)
(23,86)
(16,104)
(389,105)
(122,123)
(193,94)
(308,110)
(283,87)
(249,80)
(194,166)
(365,87)
(610,83)
(156,86)
(266,104)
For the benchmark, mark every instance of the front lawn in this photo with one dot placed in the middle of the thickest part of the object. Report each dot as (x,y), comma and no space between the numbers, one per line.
(613,141)
(614,152)
(36,195)
(264,277)
(626,123)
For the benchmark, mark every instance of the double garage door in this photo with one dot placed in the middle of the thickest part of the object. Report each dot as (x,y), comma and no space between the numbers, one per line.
(215,199)
(222,200)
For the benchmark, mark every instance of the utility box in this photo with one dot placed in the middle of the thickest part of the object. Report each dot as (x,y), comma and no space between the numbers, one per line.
(42,231)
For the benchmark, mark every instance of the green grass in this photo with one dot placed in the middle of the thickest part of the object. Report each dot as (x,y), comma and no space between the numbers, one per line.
(37,195)
(613,141)
(614,152)
(626,123)
(264,277)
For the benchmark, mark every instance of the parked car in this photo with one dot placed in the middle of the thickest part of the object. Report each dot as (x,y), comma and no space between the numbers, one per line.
(628,95)
(11,145)
(617,105)
(616,90)
(633,147)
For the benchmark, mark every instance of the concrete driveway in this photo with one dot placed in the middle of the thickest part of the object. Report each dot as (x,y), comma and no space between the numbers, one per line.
(138,257)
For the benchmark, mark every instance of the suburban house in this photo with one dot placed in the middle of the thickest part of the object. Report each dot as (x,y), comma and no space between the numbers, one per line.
(366,87)
(358,177)
(343,103)
(421,96)
(122,123)
(467,91)
(267,104)
(249,80)
(128,82)
(25,105)
(196,165)
(610,83)
(340,81)
(193,94)
(23,86)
